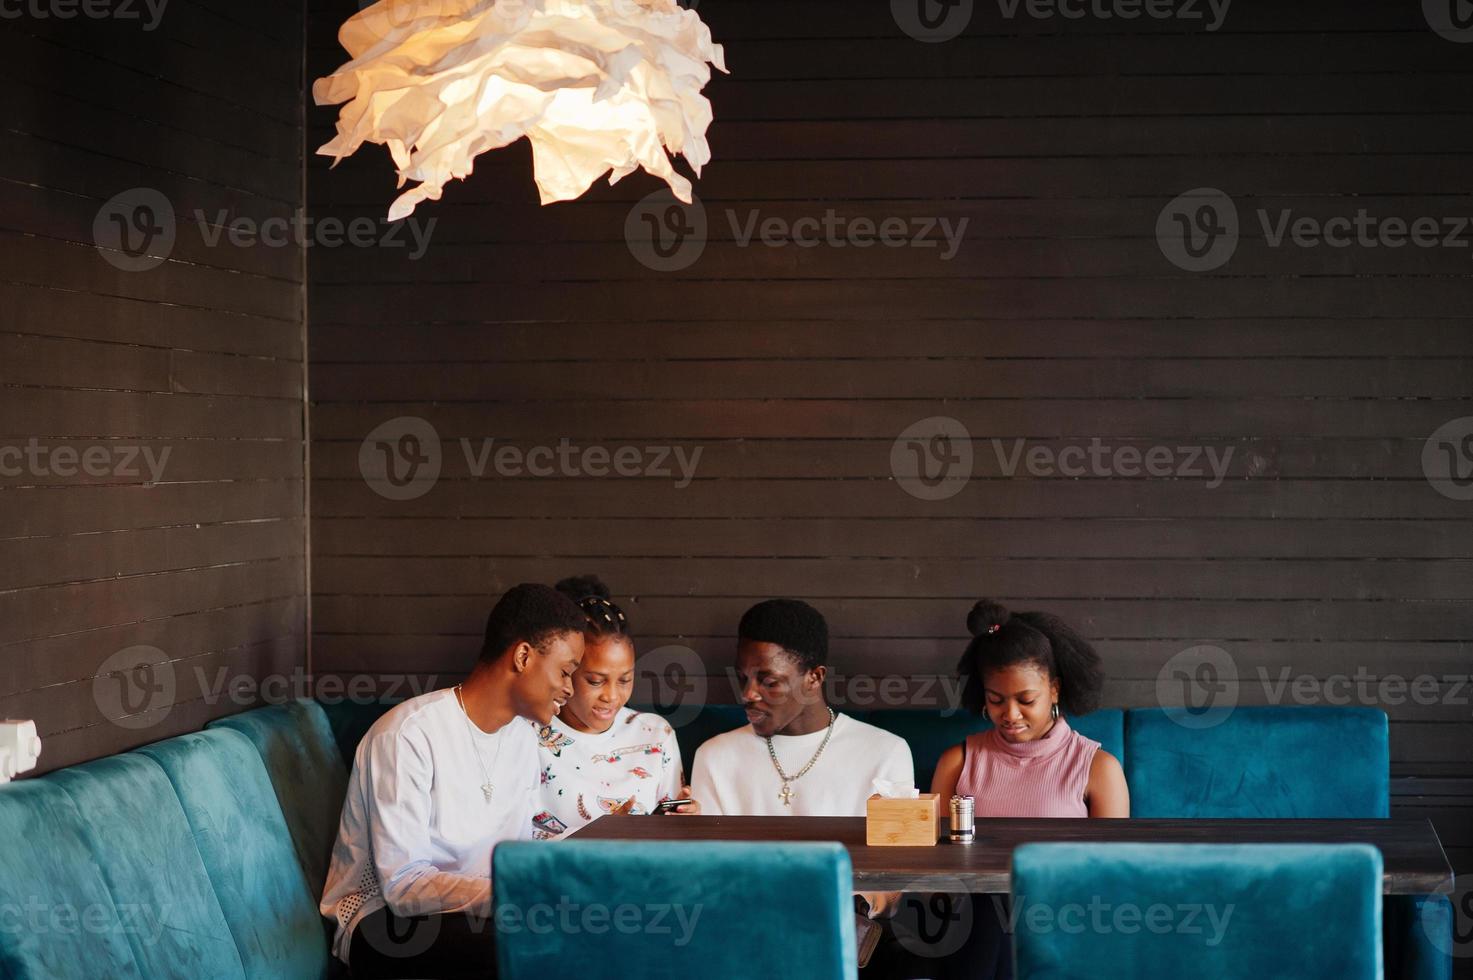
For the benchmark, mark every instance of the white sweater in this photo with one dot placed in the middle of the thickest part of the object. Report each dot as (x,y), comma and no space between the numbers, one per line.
(416,832)
(734,775)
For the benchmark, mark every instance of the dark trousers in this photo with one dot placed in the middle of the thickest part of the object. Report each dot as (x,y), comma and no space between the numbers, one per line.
(454,946)
(945,937)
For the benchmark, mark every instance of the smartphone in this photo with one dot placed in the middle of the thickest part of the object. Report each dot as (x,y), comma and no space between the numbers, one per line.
(665,806)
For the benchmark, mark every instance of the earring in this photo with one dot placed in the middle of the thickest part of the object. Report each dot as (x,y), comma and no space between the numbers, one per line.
(1056,711)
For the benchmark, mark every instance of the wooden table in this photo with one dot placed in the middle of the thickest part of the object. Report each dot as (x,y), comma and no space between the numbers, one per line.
(1413,856)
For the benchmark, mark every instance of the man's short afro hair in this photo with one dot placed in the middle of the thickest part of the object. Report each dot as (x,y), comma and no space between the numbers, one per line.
(793,625)
(531,612)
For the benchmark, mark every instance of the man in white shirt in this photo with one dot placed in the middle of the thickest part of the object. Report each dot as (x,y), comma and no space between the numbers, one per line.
(797,757)
(437,782)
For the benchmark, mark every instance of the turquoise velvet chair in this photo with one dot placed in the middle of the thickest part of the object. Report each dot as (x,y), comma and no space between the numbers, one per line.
(1285,762)
(140,840)
(247,849)
(1260,762)
(931,733)
(1208,911)
(301,755)
(60,922)
(673,911)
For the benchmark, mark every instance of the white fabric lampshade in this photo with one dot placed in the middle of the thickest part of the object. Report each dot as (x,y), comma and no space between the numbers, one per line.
(597,86)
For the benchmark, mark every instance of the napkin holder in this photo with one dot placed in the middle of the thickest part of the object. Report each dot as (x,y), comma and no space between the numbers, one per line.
(914,822)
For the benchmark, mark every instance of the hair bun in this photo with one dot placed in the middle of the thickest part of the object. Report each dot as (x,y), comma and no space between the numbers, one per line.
(580,587)
(987,616)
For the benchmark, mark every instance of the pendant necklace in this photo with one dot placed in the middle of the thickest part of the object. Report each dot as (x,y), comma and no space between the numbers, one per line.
(786,794)
(487,789)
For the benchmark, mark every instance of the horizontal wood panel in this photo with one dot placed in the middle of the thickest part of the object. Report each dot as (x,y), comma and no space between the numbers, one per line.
(79,266)
(41,562)
(936,577)
(855,658)
(42,310)
(922,250)
(36,613)
(1138,619)
(660,498)
(1157,294)
(1041,417)
(81,509)
(1159,178)
(60,659)
(586,539)
(671,337)
(45,412)
(774,458)
(922,377)
(66,363)
(159,415)
(1045,219)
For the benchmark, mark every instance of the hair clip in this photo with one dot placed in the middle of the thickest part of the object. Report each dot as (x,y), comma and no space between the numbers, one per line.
(993,628)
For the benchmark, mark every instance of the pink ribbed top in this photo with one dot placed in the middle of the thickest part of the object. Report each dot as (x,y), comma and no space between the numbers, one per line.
(1043,778)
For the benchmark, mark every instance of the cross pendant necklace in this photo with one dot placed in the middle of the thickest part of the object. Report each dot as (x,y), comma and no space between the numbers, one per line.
(787,795)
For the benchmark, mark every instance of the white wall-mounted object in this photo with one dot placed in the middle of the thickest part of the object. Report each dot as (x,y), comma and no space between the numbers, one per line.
(20,747)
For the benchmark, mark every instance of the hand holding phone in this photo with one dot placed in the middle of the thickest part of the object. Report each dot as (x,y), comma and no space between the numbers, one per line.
(670,806)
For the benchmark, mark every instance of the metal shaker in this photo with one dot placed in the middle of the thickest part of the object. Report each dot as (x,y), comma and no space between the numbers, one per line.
(963,812)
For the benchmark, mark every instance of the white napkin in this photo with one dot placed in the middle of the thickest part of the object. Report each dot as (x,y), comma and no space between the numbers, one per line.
(895,791)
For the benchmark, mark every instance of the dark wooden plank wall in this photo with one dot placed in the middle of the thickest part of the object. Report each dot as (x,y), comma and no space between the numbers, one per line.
(200,357)
(1058,321)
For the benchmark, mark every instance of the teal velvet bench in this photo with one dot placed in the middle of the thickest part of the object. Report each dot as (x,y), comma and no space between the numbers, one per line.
(204,855)
(1225,911)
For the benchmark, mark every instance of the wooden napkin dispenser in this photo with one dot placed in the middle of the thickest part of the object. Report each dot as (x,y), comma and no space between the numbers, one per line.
(902,823)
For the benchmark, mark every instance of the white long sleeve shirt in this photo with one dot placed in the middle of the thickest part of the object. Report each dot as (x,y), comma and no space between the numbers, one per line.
(417,832)
(734,775)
